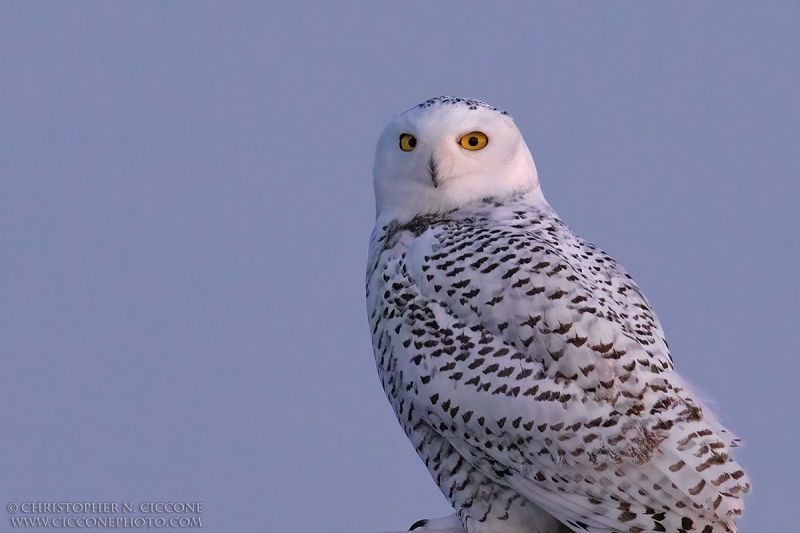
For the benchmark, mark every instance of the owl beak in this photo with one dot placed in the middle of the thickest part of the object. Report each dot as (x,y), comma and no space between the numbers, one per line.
(432,171)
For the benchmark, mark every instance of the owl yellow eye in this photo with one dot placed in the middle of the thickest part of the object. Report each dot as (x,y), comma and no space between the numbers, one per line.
(407,142)
(474,141)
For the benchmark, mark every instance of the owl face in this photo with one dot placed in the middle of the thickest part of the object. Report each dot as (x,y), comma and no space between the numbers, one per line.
(446,153)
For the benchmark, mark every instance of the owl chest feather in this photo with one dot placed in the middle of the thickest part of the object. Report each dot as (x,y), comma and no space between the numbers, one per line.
(529,354)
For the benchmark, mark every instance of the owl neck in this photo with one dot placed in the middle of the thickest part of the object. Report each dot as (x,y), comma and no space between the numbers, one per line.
(528,197)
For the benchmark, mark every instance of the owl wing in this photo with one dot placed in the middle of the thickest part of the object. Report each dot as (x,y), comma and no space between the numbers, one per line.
(542,363)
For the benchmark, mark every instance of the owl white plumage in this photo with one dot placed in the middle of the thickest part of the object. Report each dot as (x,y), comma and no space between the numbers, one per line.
(524,364)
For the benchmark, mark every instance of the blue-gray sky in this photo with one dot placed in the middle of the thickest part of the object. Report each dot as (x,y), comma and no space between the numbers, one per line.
(186,199)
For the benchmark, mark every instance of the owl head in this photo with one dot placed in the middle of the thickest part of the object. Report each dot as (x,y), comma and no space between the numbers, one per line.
(446,153)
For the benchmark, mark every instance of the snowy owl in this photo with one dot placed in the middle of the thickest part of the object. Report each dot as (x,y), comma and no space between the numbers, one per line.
(524,364)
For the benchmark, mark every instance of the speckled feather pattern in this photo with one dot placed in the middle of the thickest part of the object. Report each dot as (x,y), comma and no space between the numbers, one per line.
(526,367)
(467,103)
